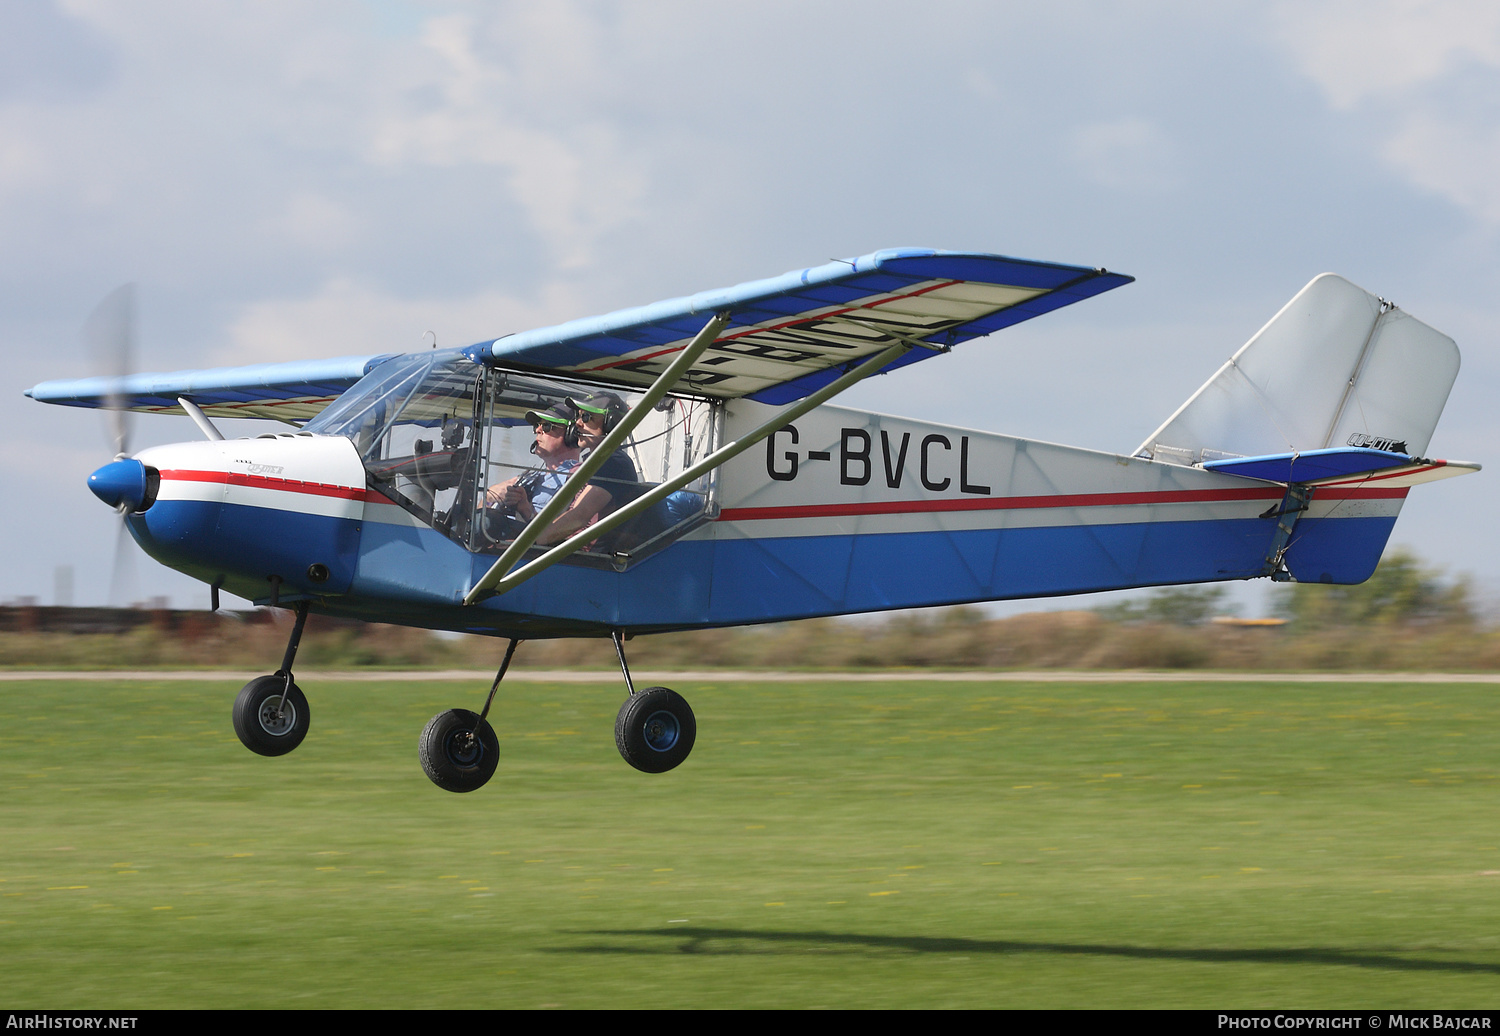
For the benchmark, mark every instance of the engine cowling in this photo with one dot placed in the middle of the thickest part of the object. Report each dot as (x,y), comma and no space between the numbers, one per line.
(277,515)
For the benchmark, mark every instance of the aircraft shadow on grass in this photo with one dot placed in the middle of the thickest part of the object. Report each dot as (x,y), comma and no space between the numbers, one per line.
(748,942)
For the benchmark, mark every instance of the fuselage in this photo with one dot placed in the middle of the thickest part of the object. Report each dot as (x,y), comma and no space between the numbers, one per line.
(843,511)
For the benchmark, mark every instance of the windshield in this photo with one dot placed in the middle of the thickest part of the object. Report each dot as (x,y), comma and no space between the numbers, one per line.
(368,411)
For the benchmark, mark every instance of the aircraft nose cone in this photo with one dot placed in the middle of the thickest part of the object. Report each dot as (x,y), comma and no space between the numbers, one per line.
(120,482)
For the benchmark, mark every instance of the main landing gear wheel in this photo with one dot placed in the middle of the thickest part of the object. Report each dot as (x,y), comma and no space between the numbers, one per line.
(266,724)
(655,730)
(459,750)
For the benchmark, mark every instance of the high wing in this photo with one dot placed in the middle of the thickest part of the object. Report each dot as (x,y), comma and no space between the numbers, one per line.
(787,337)
(295,391)
(790,335)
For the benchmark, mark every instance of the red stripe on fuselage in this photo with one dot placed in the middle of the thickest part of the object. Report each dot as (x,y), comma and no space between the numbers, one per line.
(746,514)
(285,485)
(1019,503)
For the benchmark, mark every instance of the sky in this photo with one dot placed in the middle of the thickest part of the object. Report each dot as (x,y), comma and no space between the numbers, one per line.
(284,180)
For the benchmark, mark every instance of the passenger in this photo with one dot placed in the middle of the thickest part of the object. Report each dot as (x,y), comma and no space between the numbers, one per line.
(597,416)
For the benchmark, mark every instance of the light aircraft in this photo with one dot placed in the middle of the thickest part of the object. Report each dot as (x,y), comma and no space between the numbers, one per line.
(748,497)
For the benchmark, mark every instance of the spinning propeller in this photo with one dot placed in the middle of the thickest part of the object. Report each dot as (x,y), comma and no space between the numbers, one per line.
(109,340)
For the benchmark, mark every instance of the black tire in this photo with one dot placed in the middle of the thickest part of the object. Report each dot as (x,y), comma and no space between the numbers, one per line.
(655,730)
(459,751)
(263,728)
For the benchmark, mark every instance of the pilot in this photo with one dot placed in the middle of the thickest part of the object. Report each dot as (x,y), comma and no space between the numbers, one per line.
(557,446)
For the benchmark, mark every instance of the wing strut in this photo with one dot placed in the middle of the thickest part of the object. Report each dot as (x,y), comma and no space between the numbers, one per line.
(579,478)
(200,419)
(493,583)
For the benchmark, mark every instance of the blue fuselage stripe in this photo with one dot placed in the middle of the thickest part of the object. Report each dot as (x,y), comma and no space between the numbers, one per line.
(416,575)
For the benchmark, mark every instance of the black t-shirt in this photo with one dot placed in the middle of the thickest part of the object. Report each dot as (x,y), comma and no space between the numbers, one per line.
(618,478)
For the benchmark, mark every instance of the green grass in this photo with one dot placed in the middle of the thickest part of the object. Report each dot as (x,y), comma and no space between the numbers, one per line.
(840,845)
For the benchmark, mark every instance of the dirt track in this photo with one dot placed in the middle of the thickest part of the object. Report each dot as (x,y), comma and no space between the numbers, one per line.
(699,676)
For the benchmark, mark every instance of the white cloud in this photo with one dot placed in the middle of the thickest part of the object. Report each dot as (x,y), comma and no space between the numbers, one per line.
(1451,158)
(288,121)
(981,84)
(1361,49)
(574,177)
(312,220)
(1429,68)
(23,163)
(346,317)
(1127,154)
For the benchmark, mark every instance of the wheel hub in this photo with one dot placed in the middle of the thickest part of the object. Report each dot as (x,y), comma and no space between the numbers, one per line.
(661,731)
(464,749)
(277,721)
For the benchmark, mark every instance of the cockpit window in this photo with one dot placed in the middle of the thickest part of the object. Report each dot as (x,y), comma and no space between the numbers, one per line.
(476,452)
(373,401)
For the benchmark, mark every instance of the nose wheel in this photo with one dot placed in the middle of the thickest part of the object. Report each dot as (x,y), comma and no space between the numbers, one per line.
(271,715)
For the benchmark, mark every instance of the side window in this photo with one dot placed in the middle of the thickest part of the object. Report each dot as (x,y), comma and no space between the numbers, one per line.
(529,446)
(507,458)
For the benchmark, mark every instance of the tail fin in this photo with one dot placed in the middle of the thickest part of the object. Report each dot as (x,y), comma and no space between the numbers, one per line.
(1336,367)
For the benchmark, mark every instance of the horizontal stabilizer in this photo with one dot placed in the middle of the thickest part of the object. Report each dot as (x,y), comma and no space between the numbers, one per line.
(1413,474)
(1312,466)
(1345,466)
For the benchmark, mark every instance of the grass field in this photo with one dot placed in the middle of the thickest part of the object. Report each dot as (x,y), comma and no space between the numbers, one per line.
(838,845)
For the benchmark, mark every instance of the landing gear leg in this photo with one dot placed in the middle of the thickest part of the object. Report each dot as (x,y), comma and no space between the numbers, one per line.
(459,750)
(271,715)
(655,729)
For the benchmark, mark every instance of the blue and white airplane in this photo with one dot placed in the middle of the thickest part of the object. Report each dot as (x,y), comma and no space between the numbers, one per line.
(679,466)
